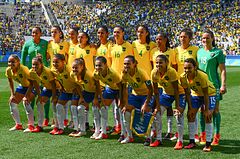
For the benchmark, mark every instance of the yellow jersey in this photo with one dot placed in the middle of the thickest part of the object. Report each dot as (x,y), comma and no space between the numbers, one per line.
(200,81)
(87,83)
(165,81)
(182,54)
(88,53)
(22,75)
(71,54)
(102,50)
(117,53)
(111,79)
(142,55)
(137,81)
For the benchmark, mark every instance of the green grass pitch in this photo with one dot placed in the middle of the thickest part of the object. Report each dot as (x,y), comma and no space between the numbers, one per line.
(42,145)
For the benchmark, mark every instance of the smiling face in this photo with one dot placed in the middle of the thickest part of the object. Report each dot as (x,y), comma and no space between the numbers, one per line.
(13,63)
(161,64)
(55,33)
(82,38)
(100,66)
(36,34)
(128,65)
(58,64)
(77,68)
(142,33)
(184,39)
(189,68)
(160,40)
(118,33)
(102,34)
(207,39)
(73,35)
(36,65)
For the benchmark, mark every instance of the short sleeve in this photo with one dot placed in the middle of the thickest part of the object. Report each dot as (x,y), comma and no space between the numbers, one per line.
(183,81)
(221,57)
(8,72)
(154,76)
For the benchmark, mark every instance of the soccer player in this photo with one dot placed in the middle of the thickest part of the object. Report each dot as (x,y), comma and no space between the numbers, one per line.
(184,51)
(84,78)
(31,49)
(112,80)
(102,50)
(69,88)
(142,47)
(200,93)
(19,73)
(44,83)
(167,77)
(139,97)
(163,47)
(210,58)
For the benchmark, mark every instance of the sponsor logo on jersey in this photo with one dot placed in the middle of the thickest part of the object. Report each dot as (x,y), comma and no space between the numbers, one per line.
(66,76)
(85,81)
(87,51)
(190,52)
(123,49)
(138,79)
(61,47)
(166,78)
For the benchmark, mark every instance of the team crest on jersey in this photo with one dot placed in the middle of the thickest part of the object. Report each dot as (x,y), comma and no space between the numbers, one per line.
(138,79)
(212,54)
(66,76)
(110,80)
(42,46)
(166,78)
(87,51)
(20,75)
(148,47)
(190,52)
(123,49)
(61,47)
(198,84)
(45,77)
(85,81)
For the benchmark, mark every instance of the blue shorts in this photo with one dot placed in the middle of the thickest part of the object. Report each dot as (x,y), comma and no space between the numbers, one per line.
(109,93)
(88,96)
(23,90)
(65,96)
(138,100)
(46,92)
(198,101)
(167,100)
(160,91)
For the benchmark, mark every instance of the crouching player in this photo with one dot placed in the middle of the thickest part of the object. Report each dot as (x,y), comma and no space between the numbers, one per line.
(111,92)
(84,78)
(167,77)
(43,81)
(19,73)
(140,96)
(200,92)
(69,87)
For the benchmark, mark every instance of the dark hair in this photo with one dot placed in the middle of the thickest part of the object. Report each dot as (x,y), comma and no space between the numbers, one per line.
(165,35)
(59,56)
(15,56)
(121,28)
(102,59)
(212,36)
(60,30)
(86,34)
(132,58)
(148,39)
(38,58)
(188,31)
(75,29)
(104,27)
(192,61)
(164,57)
(81,61)
(37,27)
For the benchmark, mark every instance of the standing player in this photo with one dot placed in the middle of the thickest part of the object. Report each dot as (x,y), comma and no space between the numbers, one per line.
(200,93)
(43,81)
(30,49)
(210,58)
(167,77)
(112,80)
(163,47)
(19,73)
(139,97)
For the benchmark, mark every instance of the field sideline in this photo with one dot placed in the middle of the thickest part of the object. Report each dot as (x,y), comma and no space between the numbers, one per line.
(42,145)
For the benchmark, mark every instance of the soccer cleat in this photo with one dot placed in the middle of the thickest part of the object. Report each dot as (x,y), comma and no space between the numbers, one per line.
(190,146)
(147,142)
(207,149)
(175,137)
(53,124)
(196,138)
(203,138)
(127,140)
(121,138)
(54,130)
(37,129)
(16,127)
(178,146)
(72,134)
(153,133)
(216,139)
(94,135)
(59,132)
(101,136)
(168,136)
(156,143)
(116,130)
(81,133)
(29,129)
(45,122)
(65,122)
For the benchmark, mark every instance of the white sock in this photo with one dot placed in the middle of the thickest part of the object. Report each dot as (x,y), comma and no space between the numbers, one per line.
(66,109)
(15,112)
(209,130)
(191,130)
(196,124)
(40,108)
(116,113)
(60,116)
(96,118)
(127,121)
(180,126)
(29,112)
(107,117)
(86,116)
(123,130)
(104,117)
(82,117)
(54,108)
(169,123)
(158,126)
(74,116)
